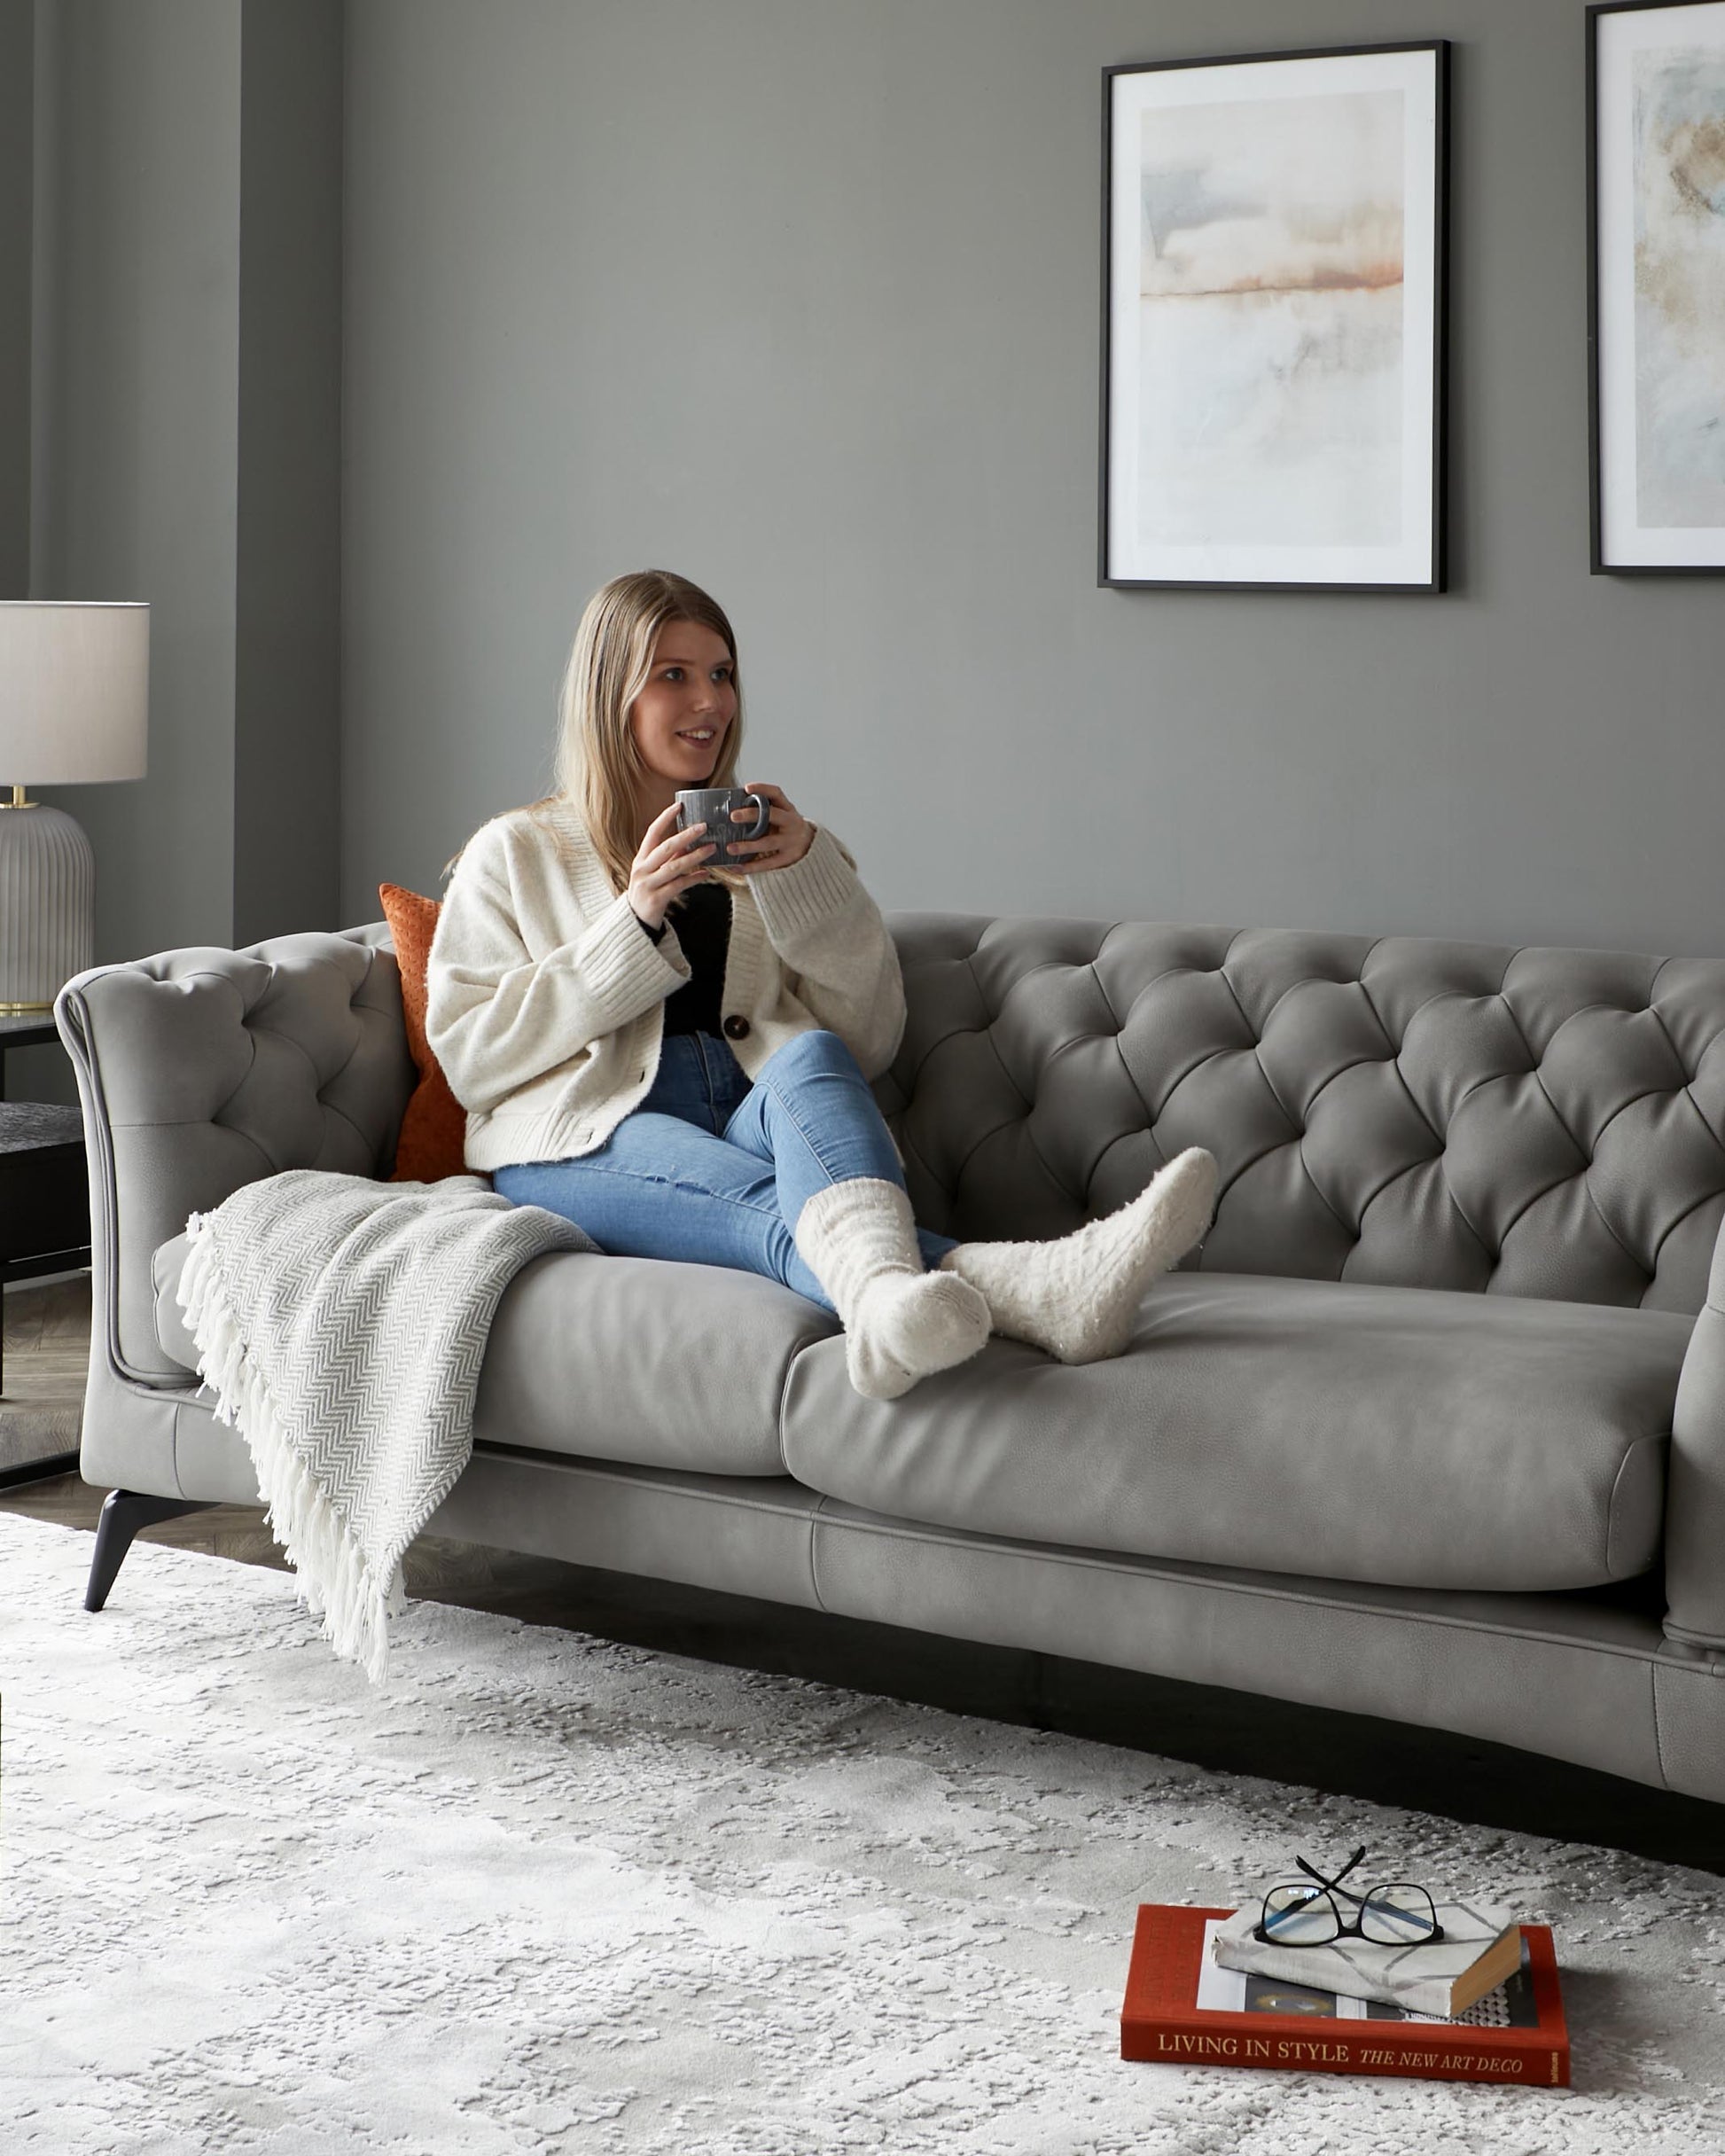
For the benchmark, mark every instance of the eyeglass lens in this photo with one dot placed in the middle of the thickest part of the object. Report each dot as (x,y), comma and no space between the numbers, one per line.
(1398,1915)
(1299,1915)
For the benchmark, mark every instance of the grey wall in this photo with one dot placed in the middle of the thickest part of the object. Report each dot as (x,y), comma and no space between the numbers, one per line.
(287,685)
(133,404)
(17,191)
(800,297)
(186,407)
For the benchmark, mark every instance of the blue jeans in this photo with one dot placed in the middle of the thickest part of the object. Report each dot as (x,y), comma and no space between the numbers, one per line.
(714,1170)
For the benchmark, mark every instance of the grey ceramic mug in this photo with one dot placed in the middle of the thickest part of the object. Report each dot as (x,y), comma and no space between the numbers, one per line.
(725,811)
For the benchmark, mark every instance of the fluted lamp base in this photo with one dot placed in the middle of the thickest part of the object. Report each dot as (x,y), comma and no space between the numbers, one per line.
(47,904)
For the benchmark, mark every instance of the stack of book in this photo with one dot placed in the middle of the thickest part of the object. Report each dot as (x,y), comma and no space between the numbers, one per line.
(1482,2005)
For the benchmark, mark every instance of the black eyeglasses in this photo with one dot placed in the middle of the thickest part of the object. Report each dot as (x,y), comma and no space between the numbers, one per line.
(1394,1914)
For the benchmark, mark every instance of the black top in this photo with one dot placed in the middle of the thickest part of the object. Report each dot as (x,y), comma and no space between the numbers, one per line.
(703,924)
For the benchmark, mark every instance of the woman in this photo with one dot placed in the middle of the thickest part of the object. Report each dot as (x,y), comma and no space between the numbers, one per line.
(677,1058)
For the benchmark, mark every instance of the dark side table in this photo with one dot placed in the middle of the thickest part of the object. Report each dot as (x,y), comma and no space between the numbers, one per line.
(44,1190)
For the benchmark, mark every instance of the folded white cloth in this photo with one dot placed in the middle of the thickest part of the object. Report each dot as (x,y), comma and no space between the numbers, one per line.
(341,1324)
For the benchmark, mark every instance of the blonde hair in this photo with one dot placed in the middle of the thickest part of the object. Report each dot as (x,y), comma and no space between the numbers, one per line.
(598,765)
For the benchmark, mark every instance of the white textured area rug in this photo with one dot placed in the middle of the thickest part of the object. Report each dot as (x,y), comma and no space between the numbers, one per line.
(548,1894)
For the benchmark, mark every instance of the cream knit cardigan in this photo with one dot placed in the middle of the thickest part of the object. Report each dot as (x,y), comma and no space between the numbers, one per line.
(545,999)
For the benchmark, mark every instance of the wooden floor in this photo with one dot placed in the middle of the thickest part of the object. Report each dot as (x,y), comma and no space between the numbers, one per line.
(46,1344)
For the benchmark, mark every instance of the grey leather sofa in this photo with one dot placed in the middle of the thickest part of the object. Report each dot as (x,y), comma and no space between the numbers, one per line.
(1432,1426)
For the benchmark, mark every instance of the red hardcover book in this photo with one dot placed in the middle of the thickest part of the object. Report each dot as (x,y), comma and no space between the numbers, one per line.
(1288,2027)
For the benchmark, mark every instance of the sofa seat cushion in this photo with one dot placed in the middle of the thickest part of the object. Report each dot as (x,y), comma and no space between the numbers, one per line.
(175,1341)
(618,1359)
(1404,1436)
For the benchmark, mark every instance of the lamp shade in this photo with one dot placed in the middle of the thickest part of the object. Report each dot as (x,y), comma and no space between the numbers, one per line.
(74,680)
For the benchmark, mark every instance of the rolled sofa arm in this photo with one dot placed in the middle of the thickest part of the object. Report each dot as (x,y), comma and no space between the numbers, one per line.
(1695,1487)
(202,1070)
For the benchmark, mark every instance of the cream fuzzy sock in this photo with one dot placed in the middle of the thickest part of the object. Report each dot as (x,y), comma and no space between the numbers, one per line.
(901,1322)
(1076,1298)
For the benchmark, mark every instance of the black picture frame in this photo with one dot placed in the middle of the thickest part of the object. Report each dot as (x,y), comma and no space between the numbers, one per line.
(1611,549)
(1428,552)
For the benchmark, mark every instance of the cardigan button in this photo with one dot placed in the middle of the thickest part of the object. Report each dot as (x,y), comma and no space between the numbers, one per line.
(736,1028)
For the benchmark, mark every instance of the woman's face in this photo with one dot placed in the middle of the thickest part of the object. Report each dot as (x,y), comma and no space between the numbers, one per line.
(681,718)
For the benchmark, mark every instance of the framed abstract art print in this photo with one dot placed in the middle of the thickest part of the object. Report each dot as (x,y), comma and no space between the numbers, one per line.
(1655,155)
(1273,321)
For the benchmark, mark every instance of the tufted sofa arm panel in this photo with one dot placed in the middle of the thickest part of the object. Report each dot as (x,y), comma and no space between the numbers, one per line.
(1399,1112)
(1694,1482)
(202,1070)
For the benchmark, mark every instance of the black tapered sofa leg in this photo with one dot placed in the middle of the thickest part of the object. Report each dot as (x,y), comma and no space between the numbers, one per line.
(123,1512)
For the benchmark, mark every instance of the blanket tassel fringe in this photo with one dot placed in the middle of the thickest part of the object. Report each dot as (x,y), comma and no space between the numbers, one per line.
(333,1576)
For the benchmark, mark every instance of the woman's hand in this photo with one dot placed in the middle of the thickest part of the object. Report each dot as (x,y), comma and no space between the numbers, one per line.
(786,838)
(669,861)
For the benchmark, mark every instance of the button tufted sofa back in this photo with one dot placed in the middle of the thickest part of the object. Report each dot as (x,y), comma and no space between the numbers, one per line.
(1424,1114)
(203,1069)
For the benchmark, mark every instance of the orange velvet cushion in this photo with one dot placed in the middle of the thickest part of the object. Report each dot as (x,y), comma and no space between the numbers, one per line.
(434,1126)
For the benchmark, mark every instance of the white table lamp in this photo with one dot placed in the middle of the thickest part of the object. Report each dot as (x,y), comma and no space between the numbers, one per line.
(74,680)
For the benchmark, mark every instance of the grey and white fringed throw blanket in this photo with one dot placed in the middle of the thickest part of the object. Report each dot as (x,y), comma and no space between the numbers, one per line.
(341,1324)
